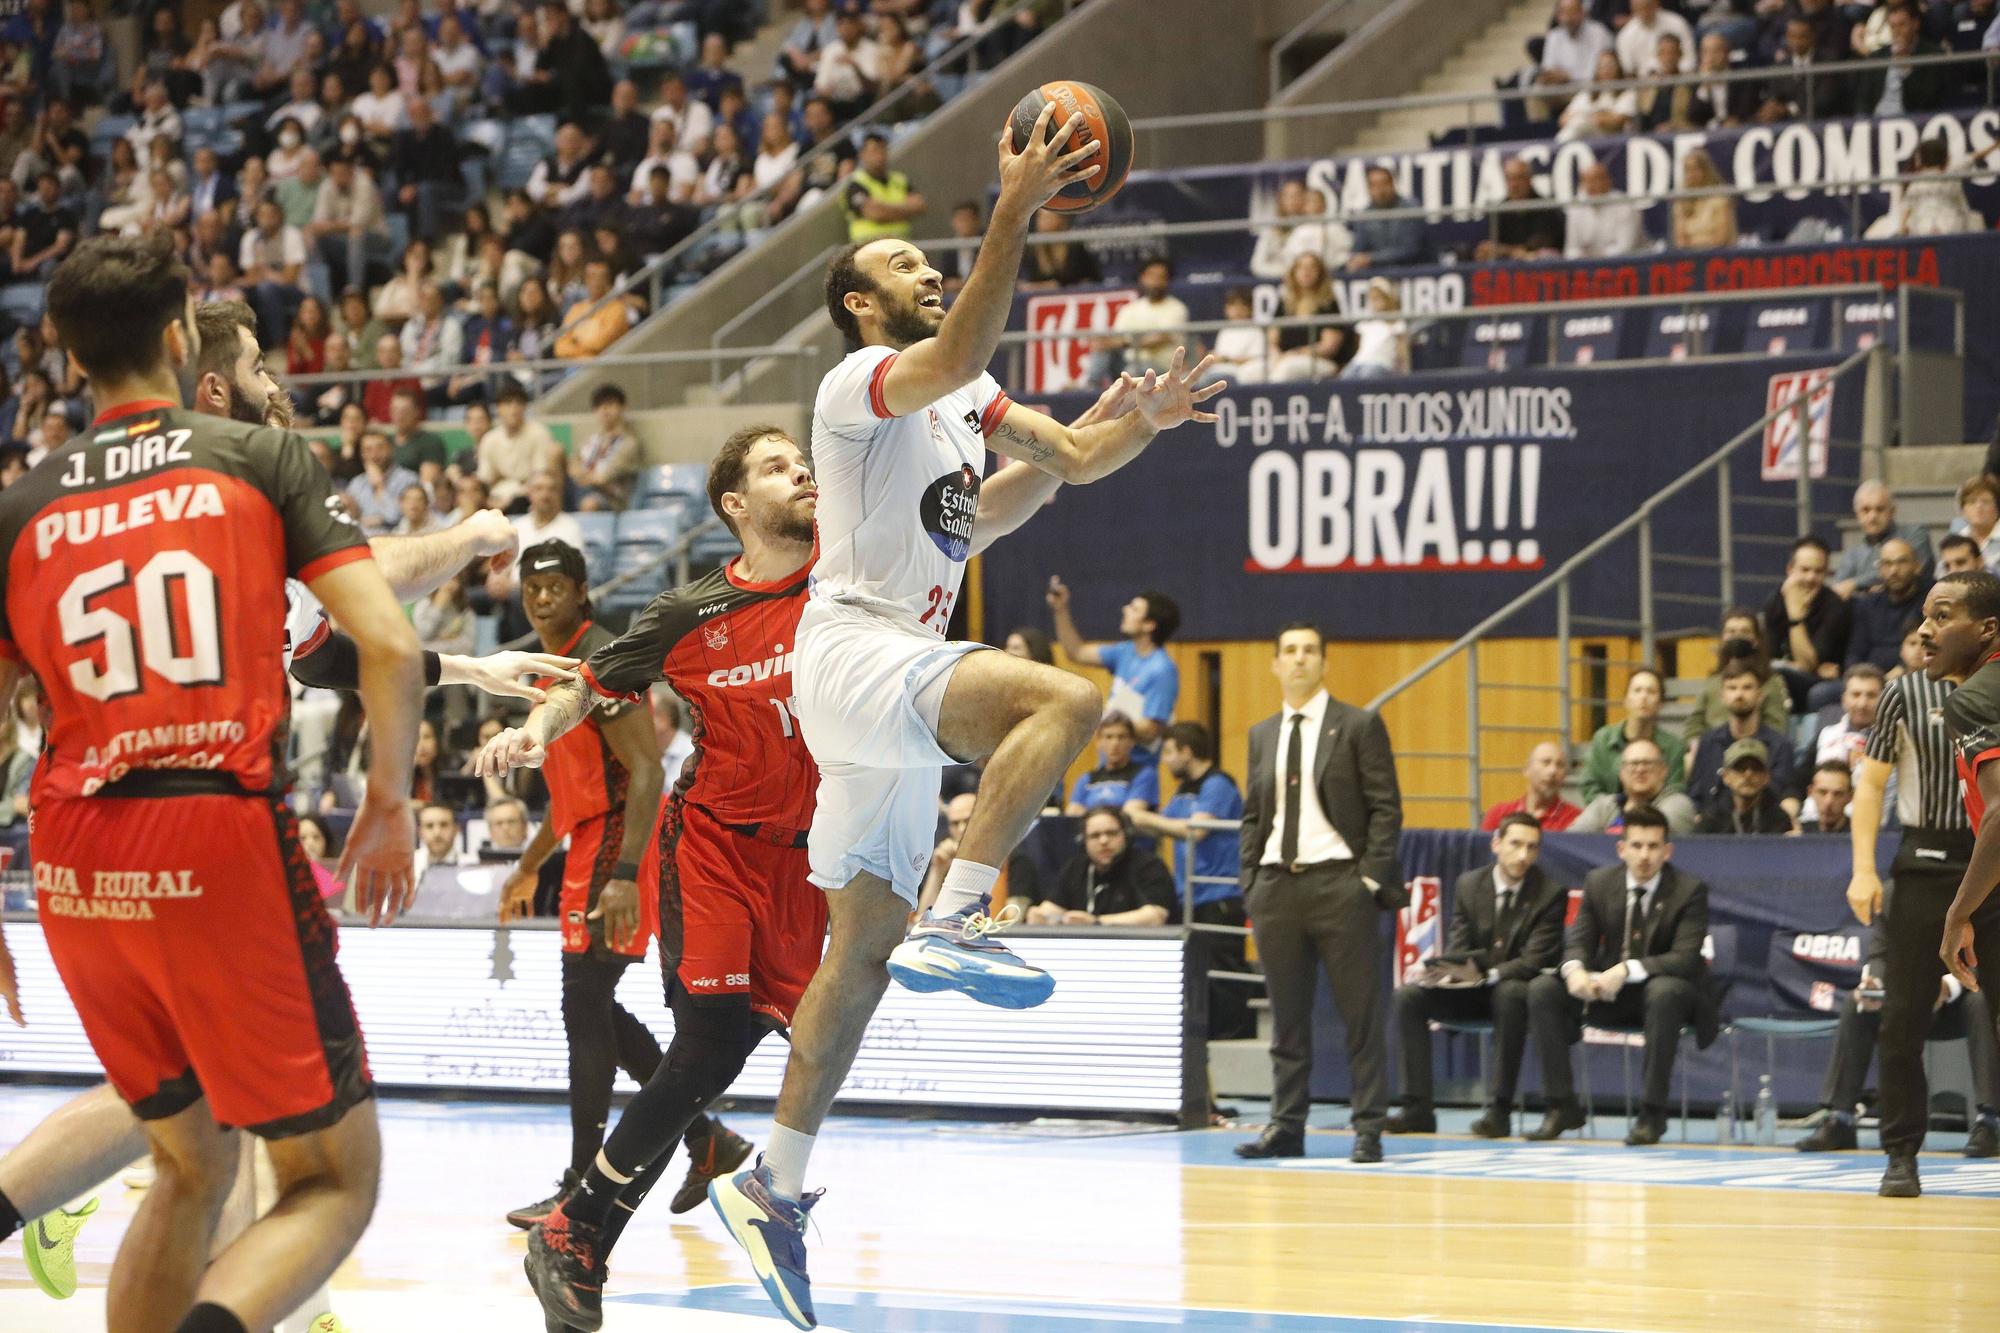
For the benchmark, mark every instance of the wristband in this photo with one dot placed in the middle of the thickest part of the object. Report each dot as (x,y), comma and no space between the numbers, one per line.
(625,870)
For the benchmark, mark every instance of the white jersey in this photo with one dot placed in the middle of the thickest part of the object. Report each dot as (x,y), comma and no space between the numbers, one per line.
(897,495)
(306,625)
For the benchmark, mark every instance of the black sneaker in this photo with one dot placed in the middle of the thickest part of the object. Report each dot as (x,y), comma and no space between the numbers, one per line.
(1412,1120)
(535,1212)
(1984,1138)
(719,1155)
(566,1268)
(1835,1134)
(1496,1122)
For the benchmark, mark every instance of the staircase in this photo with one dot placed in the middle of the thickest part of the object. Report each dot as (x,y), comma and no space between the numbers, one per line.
(1493,53)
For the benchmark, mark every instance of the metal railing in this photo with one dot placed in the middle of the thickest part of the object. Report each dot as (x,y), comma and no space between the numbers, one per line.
(1647,627)
(1307,27)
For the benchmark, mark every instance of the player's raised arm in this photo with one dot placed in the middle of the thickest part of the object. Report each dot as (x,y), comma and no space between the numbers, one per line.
(1011,495)
(1160,401)
(419,566)
(963,345)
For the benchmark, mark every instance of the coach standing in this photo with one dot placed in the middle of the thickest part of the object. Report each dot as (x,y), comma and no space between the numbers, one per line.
(1320,828)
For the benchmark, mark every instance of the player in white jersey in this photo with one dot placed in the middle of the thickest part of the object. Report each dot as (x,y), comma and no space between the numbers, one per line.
(93,1136)
(884,701)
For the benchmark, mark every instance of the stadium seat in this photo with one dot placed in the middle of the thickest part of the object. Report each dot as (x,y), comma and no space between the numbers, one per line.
(641,590)
(206,121)
(714,546)
(22,301)
(653,529)
(600,539)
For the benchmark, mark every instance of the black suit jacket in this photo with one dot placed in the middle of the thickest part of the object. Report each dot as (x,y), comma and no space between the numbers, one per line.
(1534,943)
(1676,924)
(1354,772)
(1925,87)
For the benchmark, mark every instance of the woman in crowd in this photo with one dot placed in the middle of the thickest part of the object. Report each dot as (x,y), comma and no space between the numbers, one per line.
(535,322)
(1308,351)
(171,202)
(1031,644)
(1709,222)
(32,396)
(127,196)
(305,346)
(777,154)
(1644,692)
(726,179)
(398,298)
(461,259)
(565,276)
(1978,515)
(1600,109)
(380,110)
(322,851)
(284,160)
(1059,263)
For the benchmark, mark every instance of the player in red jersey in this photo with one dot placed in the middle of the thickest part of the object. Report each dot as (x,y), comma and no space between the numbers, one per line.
(740,928)
(604,777)
(143,569)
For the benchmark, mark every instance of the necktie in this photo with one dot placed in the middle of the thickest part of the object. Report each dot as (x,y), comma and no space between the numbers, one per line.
(1288,833)
(1635,924)
(1503,923)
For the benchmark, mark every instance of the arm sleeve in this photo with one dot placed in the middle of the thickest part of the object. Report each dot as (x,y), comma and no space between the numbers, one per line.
(1146,787)
(627,667)
(1219,799)
(1683,958)
(850,398)
(1545,943)
(335,664)
(318,533)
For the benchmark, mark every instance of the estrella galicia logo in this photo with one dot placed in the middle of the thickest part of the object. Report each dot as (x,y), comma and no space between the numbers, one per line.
(947,511)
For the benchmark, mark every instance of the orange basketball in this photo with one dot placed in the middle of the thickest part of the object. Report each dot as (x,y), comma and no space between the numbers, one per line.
(1104,123)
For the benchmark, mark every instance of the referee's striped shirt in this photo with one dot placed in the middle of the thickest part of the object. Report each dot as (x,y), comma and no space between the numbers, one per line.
(1909,733)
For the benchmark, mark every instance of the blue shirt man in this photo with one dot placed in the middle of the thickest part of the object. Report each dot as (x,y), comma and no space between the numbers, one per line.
(1145,683)
(1187,757)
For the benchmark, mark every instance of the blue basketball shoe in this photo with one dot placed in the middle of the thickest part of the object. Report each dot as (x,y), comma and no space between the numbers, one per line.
(771,1229)
(955,953)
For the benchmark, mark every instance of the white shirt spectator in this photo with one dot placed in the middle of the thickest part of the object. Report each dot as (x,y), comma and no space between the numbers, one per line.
(1278,246)
(1239,347)
(1579,118)
(453,62)
(284,46)
(308,114)
(373,111)
(770,168)
(561,528)
(693,123)
(1602,231)
(1575,58)
(285,248)
(846,73)
(1639,43)
(1163,319)
(1380,343)
(683,174)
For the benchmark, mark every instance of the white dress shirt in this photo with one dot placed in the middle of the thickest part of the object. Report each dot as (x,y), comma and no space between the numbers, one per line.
(1319,841)
(1635,971)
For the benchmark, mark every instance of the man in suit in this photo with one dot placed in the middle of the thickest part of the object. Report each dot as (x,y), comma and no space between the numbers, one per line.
(1320,828)
(1506,926)
(1905,89)
(1632,956)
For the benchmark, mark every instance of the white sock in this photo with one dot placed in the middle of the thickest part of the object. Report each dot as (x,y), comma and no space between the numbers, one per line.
(786,1152)
(964,884)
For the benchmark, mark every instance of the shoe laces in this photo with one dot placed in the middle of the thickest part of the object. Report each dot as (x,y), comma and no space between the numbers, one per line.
(977,924)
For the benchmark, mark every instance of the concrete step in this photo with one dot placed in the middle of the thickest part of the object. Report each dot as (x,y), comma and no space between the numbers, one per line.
(1492,53)
(1932,466)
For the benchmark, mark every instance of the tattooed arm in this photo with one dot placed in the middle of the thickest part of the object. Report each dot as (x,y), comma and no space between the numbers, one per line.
(526,746)
(1013,494)
(1160,401)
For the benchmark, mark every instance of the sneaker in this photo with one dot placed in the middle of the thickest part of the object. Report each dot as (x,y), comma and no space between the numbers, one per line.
(535,1212)
(771,1229)
(50,1249)
(566,1269)
(1901,1181)
(140,1175)
(953,953)
(721,1153)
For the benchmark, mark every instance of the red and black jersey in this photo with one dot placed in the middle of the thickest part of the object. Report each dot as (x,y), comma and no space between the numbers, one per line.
(585,775)
(1972,720)
(142,580)
(726,647)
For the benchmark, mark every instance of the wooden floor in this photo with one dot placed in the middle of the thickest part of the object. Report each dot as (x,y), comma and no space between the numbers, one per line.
(1037,1229)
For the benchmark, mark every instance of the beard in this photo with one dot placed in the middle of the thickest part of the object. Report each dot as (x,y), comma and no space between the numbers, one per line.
(792,528)
(904,323)
(241,410)
(278,411)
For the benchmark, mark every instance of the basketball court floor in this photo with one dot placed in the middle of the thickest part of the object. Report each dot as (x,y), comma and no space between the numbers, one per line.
(1086,1227)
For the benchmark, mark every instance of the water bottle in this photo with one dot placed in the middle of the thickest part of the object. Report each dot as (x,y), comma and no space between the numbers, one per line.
(1725,1117)
(1767,1113)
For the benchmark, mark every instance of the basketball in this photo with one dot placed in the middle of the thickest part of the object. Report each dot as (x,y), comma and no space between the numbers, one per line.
(1104,122)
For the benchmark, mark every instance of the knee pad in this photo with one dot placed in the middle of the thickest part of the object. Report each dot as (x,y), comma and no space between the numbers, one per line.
(711,1042)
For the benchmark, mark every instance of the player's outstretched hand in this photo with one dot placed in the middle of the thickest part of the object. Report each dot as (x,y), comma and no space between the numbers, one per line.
(500,673)
(493,535)
(1166,399)
(512,748)
(1031,177)
(618,908)
(378,859)
(10,987)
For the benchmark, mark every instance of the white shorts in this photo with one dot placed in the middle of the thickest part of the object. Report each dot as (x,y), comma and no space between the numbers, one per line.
(867,689)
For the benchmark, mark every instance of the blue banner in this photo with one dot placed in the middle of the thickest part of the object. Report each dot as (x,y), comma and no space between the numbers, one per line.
(1410,508)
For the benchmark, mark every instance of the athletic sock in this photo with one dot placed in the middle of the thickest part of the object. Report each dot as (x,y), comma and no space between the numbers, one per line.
(211,1318)
(590,1203)
(786,1155)
(966,883)
(11,1220)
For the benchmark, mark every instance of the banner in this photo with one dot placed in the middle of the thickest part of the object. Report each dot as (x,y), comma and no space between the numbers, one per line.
(1419,928)
(1781,433)
(1399,508)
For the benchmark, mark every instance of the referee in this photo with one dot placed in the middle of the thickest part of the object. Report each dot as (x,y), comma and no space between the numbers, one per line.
(1909,739)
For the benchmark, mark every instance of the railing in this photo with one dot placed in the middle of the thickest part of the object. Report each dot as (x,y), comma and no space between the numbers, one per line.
(1473,100)
(1647,627)
(1308,26)
(655,273)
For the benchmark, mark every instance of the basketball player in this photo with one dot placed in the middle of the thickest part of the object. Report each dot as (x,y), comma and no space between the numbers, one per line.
(603,774)
(153,550)
(86,1141)
(1961,631)
(900,432)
